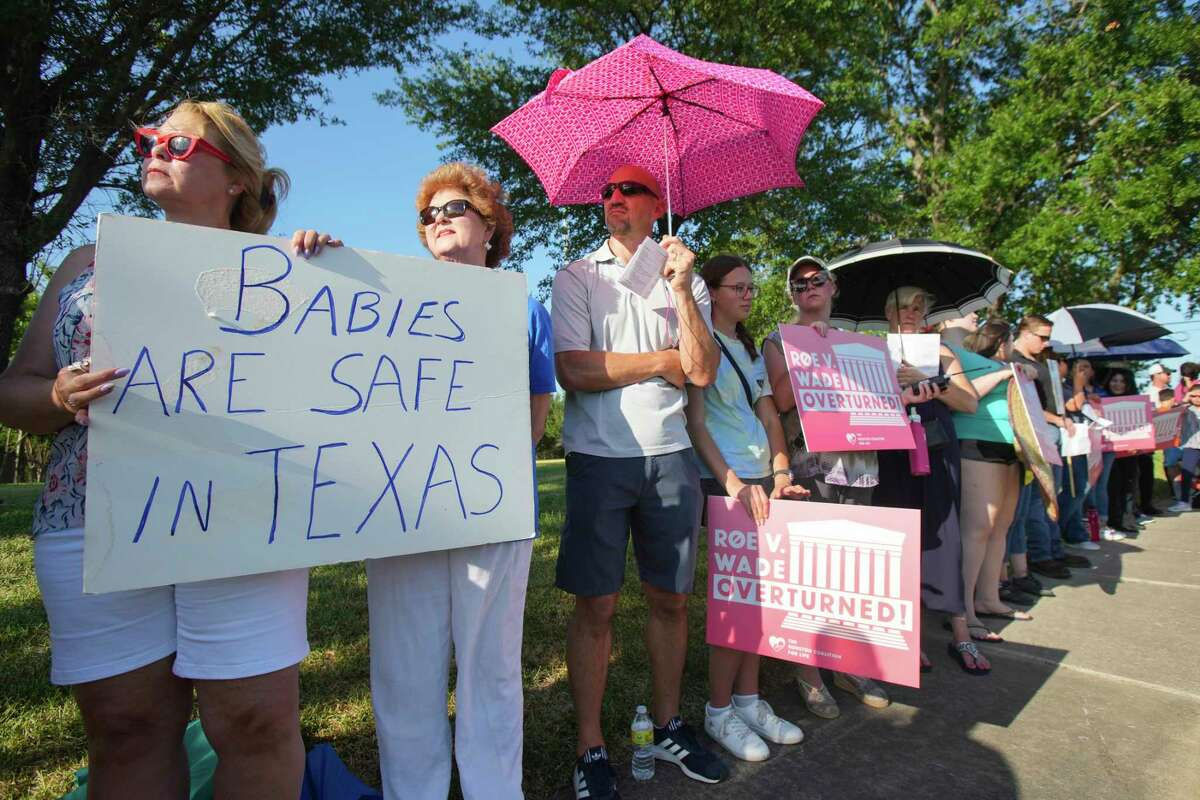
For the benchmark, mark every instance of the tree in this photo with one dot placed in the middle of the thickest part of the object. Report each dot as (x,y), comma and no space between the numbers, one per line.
(1085,170)
(81,73)
(992,124)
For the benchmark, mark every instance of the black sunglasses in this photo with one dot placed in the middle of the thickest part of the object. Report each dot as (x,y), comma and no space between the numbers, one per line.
(450,210)
(627,189)
(816,281)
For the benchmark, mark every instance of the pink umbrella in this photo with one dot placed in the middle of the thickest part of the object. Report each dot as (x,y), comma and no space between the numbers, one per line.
(708,132)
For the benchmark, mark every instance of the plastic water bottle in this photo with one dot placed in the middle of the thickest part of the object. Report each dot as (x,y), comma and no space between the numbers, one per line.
(642,733)
(918,457)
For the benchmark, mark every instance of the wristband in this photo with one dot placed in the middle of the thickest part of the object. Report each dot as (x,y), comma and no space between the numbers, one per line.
(786,472)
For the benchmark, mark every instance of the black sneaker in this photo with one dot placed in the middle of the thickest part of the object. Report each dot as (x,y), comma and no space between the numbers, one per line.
(677,744)
(1076,562)
(594,778)
(1011,594)
(1031,585)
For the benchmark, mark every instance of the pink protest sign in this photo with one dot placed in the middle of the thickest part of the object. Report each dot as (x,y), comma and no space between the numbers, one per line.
(846,392)
(830,585)
(1166,427)
(1132,423)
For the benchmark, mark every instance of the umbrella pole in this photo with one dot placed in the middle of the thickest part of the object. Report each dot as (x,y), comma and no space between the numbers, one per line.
(667,173)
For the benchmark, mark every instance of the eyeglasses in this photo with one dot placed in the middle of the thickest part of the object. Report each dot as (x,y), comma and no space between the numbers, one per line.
(180,146)
(627,189)
(1043,337)
(816,281)
(741,289)
(450,210)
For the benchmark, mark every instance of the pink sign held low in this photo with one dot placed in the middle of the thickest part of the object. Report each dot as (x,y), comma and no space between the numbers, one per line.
(1167,425)
(1132,423)
(846,391)
(830,585)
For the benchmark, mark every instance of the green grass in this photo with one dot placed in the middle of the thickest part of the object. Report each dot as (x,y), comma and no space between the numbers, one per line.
(41,736)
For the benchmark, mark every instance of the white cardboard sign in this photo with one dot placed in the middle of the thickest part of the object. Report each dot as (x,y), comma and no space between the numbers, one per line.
(284,413)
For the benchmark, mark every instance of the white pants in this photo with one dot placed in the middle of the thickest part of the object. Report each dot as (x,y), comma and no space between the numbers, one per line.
(419,604)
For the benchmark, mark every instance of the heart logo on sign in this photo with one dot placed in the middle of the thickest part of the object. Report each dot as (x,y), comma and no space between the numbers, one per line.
(777,643)
(850,438)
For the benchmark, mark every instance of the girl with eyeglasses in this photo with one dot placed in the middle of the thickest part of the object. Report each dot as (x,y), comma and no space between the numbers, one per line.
(735,430)
(134,658)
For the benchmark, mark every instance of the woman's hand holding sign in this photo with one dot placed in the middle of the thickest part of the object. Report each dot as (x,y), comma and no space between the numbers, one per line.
(76,386)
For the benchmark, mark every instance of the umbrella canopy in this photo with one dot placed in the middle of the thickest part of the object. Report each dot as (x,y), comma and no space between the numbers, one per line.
(708,132)
(1109,324)
(1145,351)
(961,280)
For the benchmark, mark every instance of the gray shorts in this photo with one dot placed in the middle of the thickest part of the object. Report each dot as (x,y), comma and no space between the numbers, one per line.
(656,498)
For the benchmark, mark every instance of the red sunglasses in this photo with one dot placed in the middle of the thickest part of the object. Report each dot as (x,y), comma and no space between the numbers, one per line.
(179,145)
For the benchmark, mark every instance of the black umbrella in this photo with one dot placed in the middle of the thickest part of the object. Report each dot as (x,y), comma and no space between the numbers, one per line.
(1108,324)
(961,280)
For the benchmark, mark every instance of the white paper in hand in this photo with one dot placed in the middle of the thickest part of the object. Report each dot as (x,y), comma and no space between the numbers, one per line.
(1078,443)
(644,270)
(920,350)
(1100,422)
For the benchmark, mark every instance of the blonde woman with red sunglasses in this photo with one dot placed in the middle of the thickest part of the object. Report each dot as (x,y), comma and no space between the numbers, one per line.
(133,659)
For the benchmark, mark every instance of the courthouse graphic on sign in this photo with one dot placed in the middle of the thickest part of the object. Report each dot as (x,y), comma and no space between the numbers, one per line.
(1132,428)
(858,568)
(867,369)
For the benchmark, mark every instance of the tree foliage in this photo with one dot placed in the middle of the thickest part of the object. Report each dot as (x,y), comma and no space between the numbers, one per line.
(80,73)
(1059,136)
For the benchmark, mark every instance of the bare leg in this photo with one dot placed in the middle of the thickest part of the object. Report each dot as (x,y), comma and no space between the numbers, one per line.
(724,668)
(253,725)
(987,591)
(589,645)
(810,675)
(1019,562)
(978,490)
(134,724)
(666,642)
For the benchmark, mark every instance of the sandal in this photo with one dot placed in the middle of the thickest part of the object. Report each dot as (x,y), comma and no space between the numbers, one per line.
(818,699)
(956,651)
(1012,614)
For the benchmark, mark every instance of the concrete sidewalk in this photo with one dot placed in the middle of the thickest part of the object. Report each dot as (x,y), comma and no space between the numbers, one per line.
(1097,698)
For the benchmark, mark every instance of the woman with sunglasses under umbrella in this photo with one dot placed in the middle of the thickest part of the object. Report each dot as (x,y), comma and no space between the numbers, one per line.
(937,495)
(133,658)
(471,598)
(833,477)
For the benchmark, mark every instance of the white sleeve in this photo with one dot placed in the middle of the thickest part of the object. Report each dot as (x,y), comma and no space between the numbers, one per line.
(570,319)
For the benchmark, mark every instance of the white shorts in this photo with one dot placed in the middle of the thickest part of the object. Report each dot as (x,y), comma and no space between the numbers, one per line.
(219,630)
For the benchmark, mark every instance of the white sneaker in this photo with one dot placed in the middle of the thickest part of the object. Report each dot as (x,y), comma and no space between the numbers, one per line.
(1088,545)
(731,732)
(762,720)
(1143,518)
(1109,535)
(1179,507)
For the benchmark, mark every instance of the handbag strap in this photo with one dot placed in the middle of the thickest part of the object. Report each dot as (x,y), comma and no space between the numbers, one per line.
(738,370)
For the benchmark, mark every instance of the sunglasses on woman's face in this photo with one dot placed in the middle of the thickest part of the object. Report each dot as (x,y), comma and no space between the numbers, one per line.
(627,189)
(179,146)
(816,281)
(450,210)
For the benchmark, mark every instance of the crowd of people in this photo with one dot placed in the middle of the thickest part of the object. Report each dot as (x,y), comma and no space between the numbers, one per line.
(668,400)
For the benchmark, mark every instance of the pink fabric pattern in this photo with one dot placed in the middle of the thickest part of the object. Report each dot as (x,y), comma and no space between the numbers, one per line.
(721,131)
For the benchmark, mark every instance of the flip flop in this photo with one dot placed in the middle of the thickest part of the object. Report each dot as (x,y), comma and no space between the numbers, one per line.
(991,638)
(1014,614)
(956,651)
